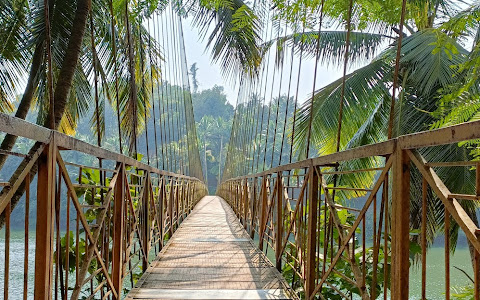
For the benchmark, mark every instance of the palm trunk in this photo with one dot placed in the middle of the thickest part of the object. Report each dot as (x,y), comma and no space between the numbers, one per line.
(62,88)
(9,141)
(70,61)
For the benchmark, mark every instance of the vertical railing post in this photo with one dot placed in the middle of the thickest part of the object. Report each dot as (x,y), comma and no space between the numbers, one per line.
(118,234)
(245,203)
(177,201)
(311,232)
(183,193)
(279,221)
(160,209)
(180,201)
(229,193)
(45,220)
(146,219)
(192,196)
(189,196)
(236,199)
(170,207)
(263,212)
(400,225)
(234,190)
(254,200)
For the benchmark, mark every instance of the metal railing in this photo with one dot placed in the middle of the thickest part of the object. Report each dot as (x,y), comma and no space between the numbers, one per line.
(97,227)
(340,225)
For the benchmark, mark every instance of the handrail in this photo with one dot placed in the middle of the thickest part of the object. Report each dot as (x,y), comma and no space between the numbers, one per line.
(298,221)
(437,137)
(113,219)
(21,128)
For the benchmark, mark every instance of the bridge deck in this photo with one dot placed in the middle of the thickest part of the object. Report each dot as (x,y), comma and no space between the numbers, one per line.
(210,256)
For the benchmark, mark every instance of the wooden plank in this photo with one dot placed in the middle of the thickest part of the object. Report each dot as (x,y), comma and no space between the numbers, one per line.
(89,167)
(209,294)
(463,197)
(452,164)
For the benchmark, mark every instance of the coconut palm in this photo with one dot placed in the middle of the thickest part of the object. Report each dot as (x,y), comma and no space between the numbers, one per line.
(428,54)
(73,58)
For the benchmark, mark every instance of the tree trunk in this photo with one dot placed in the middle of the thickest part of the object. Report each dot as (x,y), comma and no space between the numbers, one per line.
(62,88)
(9,141)
(70,61)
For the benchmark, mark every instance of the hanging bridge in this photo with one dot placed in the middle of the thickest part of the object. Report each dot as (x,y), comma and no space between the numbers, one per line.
(133,219)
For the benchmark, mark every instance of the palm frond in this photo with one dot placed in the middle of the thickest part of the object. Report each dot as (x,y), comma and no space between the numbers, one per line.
(430,55)
(363,45)
(364,89)
(235,37)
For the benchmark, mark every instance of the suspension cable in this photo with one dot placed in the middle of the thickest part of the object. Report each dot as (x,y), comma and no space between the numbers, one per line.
(345,65)
(152,92)
(115,71)
(168,91)
(264,94)
(95,81)
(302,46)
(288,104)
(397,70)
(144,92)
(317,58)
(133,84)
(161,102)
(278,102)
(48,54)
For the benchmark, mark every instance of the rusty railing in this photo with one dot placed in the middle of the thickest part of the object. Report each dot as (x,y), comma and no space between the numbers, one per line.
(340,225)
(98,225)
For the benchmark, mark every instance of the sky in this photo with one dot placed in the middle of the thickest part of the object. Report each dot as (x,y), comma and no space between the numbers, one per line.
(209,73)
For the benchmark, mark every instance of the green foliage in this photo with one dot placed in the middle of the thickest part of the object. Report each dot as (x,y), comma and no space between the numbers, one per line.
(71,248)
(212,102)
(363,45)
(343,266)
(463,293)
(235,37)
(214,116)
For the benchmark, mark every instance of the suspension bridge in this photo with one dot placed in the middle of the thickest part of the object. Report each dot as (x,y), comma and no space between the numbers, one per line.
(114,222)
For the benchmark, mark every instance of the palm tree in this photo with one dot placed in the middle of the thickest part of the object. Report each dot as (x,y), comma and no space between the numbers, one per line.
(428,54)
(73,58)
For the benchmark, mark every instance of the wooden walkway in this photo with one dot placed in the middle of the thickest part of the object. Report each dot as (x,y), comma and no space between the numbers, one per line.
(210,256)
